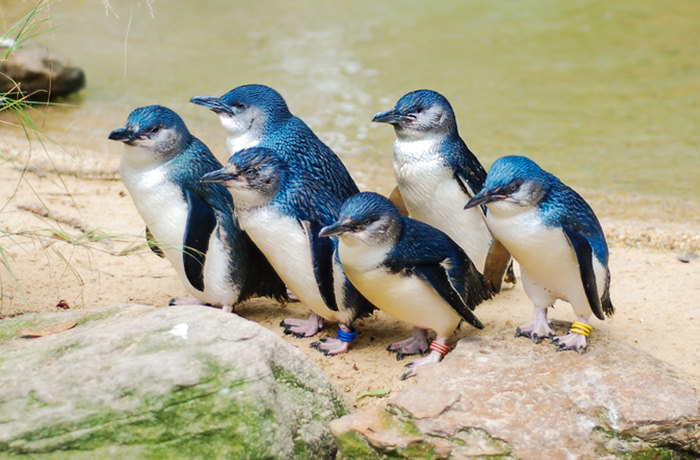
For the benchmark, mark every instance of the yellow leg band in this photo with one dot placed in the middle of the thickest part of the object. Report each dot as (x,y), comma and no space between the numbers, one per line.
(581,328)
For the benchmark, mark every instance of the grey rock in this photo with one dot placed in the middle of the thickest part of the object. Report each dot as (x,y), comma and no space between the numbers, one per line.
(501,396)
(687,257)
(143,382)
(41,74)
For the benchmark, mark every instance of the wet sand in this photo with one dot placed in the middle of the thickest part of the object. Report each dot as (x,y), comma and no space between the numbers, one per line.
(656,296)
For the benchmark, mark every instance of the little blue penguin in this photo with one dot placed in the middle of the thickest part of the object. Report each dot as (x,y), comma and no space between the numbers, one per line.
(436,173)
(257,115)
(283,209)
(557,240)
(191,223)
(408,269)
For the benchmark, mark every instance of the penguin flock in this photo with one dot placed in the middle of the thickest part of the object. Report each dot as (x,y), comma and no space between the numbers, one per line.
(284,216)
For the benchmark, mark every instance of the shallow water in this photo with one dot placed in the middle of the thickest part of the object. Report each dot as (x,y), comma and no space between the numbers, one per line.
(603,94)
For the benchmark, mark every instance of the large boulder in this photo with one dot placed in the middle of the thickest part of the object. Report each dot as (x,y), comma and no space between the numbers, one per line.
(38,73)
(505,397)
(143,382)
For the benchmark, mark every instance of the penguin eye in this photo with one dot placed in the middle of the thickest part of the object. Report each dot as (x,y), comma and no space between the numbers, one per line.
(367,221)
(512,188)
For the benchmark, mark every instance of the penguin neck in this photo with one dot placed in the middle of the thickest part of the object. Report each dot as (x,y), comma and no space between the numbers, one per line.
(359,256)
(246,200)
(421,147)
(507,208)
(414,135)
(237,142)
(139,160)
(368,252)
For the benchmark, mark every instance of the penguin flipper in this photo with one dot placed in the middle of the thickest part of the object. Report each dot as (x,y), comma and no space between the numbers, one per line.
(464,184)
(322,258)
(497,262)
(153,244)
(584,256)
(439,278)
(468,189)
(201,222)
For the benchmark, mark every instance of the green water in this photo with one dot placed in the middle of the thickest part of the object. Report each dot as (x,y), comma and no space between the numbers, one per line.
(605,94)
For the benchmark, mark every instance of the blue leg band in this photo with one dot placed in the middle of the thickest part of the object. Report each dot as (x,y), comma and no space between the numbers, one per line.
(346,336)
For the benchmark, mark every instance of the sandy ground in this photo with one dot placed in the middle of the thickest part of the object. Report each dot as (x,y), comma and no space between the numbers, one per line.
(656,296)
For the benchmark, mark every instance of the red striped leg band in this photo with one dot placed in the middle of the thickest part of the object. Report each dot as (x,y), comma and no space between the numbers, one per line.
(439,347)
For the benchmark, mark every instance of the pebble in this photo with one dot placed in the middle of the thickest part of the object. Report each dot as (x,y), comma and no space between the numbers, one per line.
(687,257)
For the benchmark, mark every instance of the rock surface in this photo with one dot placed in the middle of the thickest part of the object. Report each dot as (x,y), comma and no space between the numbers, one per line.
(143,382)
(511,398)
(40,74)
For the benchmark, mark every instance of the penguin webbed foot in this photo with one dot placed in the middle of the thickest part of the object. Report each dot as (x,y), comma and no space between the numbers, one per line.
(537,329)
(571,341)
(302,327)
(416,344)
(433,357)
(331,346)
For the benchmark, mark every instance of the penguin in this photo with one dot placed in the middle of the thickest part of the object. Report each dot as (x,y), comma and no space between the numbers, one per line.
(188,222)
(408,269)
(436,172)
(556,238)
(283,210)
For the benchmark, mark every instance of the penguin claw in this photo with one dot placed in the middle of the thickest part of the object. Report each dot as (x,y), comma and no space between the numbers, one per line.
(302,327)
(330,346)
(571,341)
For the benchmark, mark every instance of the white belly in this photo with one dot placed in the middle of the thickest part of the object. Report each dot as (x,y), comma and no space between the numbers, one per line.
(286,246)
(545,256)
(432,195)
(407,298)
(164,210)
(162,207)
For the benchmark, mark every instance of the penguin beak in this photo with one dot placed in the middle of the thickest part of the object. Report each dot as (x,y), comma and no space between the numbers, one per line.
(337,228)
(123,135)
(220,176)
(213,103)
(390,116)
(484,197)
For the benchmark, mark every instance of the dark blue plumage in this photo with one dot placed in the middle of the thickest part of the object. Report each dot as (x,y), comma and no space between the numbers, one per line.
(161,168)
(545,224)
(407,268)
(257,115)
(283,209)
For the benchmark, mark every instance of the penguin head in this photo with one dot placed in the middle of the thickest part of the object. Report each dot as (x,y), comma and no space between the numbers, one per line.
(420,114)
(367,218)
(253,176)
(248,110)
(155,129)
(513,183)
